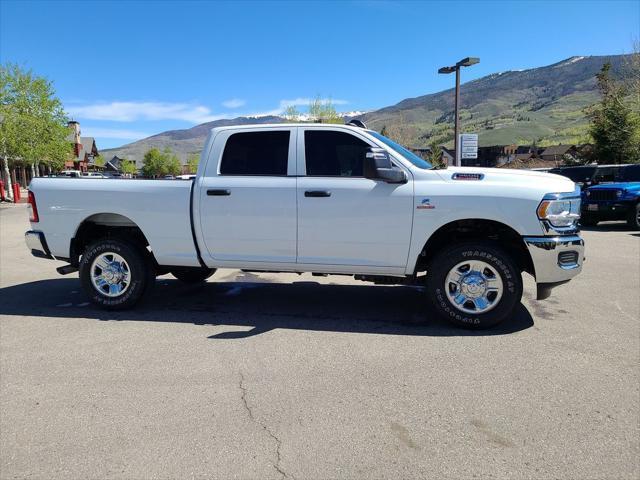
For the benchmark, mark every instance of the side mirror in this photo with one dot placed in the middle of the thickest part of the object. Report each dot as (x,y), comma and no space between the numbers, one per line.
(377,165)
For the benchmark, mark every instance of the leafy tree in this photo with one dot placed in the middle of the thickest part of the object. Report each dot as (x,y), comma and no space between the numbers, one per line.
(192,162)
(99,161)
(159,163)
(632,83)
(324,111)
(436,155)
(154,163)
(128,167)
(612,125)
(174,167)
(32,122)
(291,113)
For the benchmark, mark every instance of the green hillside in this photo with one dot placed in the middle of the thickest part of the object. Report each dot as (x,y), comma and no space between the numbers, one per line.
(545,105)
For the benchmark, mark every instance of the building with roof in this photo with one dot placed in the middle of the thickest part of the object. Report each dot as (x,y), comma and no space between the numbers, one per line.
(85,150)
(559,153)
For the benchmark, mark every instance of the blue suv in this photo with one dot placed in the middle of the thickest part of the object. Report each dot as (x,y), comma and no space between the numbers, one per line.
(615,197)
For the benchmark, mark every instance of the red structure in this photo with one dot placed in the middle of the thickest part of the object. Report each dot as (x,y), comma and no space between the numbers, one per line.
(16,192)
(84,149)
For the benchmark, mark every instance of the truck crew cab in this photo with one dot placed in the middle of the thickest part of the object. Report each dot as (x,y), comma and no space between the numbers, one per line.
(333,199)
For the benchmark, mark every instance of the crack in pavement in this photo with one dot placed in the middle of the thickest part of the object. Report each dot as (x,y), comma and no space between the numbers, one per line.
(243,390)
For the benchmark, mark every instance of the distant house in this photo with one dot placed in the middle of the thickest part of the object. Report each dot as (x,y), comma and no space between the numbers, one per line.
(525,160)
(448,155)
(491,156)
(557,152)
(84,150)
(114,165)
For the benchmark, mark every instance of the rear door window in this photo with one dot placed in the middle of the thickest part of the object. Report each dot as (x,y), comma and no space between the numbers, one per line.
(256,153)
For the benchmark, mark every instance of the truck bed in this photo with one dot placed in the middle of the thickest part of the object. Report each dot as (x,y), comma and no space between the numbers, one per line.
(160,208)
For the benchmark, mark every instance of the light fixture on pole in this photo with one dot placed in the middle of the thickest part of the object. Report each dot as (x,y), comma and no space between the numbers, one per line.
(465,62)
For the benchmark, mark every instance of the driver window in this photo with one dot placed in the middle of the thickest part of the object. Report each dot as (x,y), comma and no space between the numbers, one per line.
(333,154)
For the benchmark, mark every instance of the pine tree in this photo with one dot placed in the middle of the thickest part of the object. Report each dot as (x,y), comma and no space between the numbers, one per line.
(612,126)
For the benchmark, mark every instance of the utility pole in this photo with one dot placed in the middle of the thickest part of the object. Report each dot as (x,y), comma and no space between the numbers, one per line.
(465,62)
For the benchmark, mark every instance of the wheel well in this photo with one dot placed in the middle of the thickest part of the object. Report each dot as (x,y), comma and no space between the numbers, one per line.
(473,230)
(105,225)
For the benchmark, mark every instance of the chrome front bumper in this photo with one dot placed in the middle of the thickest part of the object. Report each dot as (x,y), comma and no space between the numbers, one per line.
(556,260)
(37,244)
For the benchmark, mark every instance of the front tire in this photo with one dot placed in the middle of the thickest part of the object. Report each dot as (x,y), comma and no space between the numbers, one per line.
(474,285)
(115,274)
(634,217)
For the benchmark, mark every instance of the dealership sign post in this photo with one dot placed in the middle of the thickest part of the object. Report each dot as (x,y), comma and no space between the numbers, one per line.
(469,145)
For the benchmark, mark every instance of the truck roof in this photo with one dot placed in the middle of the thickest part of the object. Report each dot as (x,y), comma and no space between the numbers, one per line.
(289,125)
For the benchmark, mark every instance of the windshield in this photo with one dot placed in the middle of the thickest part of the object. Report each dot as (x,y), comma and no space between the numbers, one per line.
(576,174)
(631,173)
(412,157)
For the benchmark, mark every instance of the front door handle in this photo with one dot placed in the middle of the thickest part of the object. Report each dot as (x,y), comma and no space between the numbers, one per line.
(220,192)
(317,193)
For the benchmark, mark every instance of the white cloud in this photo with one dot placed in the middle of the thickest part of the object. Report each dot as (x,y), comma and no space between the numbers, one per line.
(114,133)
(234,103)
(188,112)
(133,111)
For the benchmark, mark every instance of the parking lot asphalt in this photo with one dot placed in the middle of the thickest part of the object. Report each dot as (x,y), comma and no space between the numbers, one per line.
(287,376)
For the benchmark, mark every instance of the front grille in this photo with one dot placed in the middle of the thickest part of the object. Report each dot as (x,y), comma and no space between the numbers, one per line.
(568,259)
(599,195)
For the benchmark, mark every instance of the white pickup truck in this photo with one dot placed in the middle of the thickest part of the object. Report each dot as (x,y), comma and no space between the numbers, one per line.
(327,199)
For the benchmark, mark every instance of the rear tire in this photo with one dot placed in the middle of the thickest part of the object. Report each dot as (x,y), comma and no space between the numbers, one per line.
(633,220)
(193,275)
(474,285)
(115,274)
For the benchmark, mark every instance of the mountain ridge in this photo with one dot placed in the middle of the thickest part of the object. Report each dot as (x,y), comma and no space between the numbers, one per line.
(542,104)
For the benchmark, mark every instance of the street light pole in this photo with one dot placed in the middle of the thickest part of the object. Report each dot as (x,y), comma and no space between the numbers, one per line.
(465,62)
(457,122)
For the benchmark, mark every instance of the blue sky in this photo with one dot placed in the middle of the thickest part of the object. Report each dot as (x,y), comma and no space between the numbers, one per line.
(126,70)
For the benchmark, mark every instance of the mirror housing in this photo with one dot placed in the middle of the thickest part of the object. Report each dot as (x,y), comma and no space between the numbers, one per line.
(377,166)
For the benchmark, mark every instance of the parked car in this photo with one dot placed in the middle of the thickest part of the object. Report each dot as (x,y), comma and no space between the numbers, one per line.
(582,175)
(616,199)
(328,199)
(93,175)
(70,173)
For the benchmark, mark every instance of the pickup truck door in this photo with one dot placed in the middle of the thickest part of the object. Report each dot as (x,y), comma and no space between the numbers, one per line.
(247,203)
(344,218)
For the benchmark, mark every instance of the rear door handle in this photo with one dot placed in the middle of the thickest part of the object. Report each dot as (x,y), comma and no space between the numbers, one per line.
(220,192)
(317,193)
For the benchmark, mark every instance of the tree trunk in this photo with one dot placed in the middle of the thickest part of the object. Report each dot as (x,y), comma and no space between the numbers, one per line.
(7,175)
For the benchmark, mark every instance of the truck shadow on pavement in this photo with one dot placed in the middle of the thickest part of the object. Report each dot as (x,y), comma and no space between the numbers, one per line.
(610,227)
(260,306)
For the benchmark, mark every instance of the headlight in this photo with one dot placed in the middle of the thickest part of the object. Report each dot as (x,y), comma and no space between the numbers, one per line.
(619,193)
(559,212)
